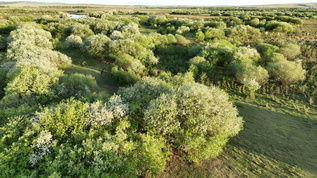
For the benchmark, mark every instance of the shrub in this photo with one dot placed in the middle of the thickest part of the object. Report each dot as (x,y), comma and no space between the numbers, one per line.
(276,57)
(75,85)
(29,80)
(248,71)
(245,54)
(254,22)
(180,39)
(140,94)
(124,77)
(290,51)
(282,27)
(182,30)
(116,35)
(219,52)
(96,45)
(73,41)
(130,29)
(200,36)
(201,64)
(157,21)
(286,72)
(81,30)
(214,33)
(197,117)
(243,32)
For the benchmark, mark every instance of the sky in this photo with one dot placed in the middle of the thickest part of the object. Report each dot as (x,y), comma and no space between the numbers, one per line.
(178,2)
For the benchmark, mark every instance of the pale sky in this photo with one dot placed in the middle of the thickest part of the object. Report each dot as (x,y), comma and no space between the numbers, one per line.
(179,2)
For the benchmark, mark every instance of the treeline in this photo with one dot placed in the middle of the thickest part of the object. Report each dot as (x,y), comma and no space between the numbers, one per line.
(256,12)
(233,28)
(28,11)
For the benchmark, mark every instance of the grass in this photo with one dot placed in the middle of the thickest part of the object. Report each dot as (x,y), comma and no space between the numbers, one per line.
(88,65)
(145,30)
(273,143)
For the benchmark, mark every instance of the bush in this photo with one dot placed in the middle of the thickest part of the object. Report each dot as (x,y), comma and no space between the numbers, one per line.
(182,30)
(219,52)
(282,27)
(80,30)
(73,41)
(200,36)
(124,77)
(96,45)
(214,33)
(130,29)
(245,54)
(180,39)
(276,57)
(54,140)
(195,116)
(243,32)
(75,85)
(286,72)
(248,71)
(116,35)
(157,21)
(290,51)
(254,22)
